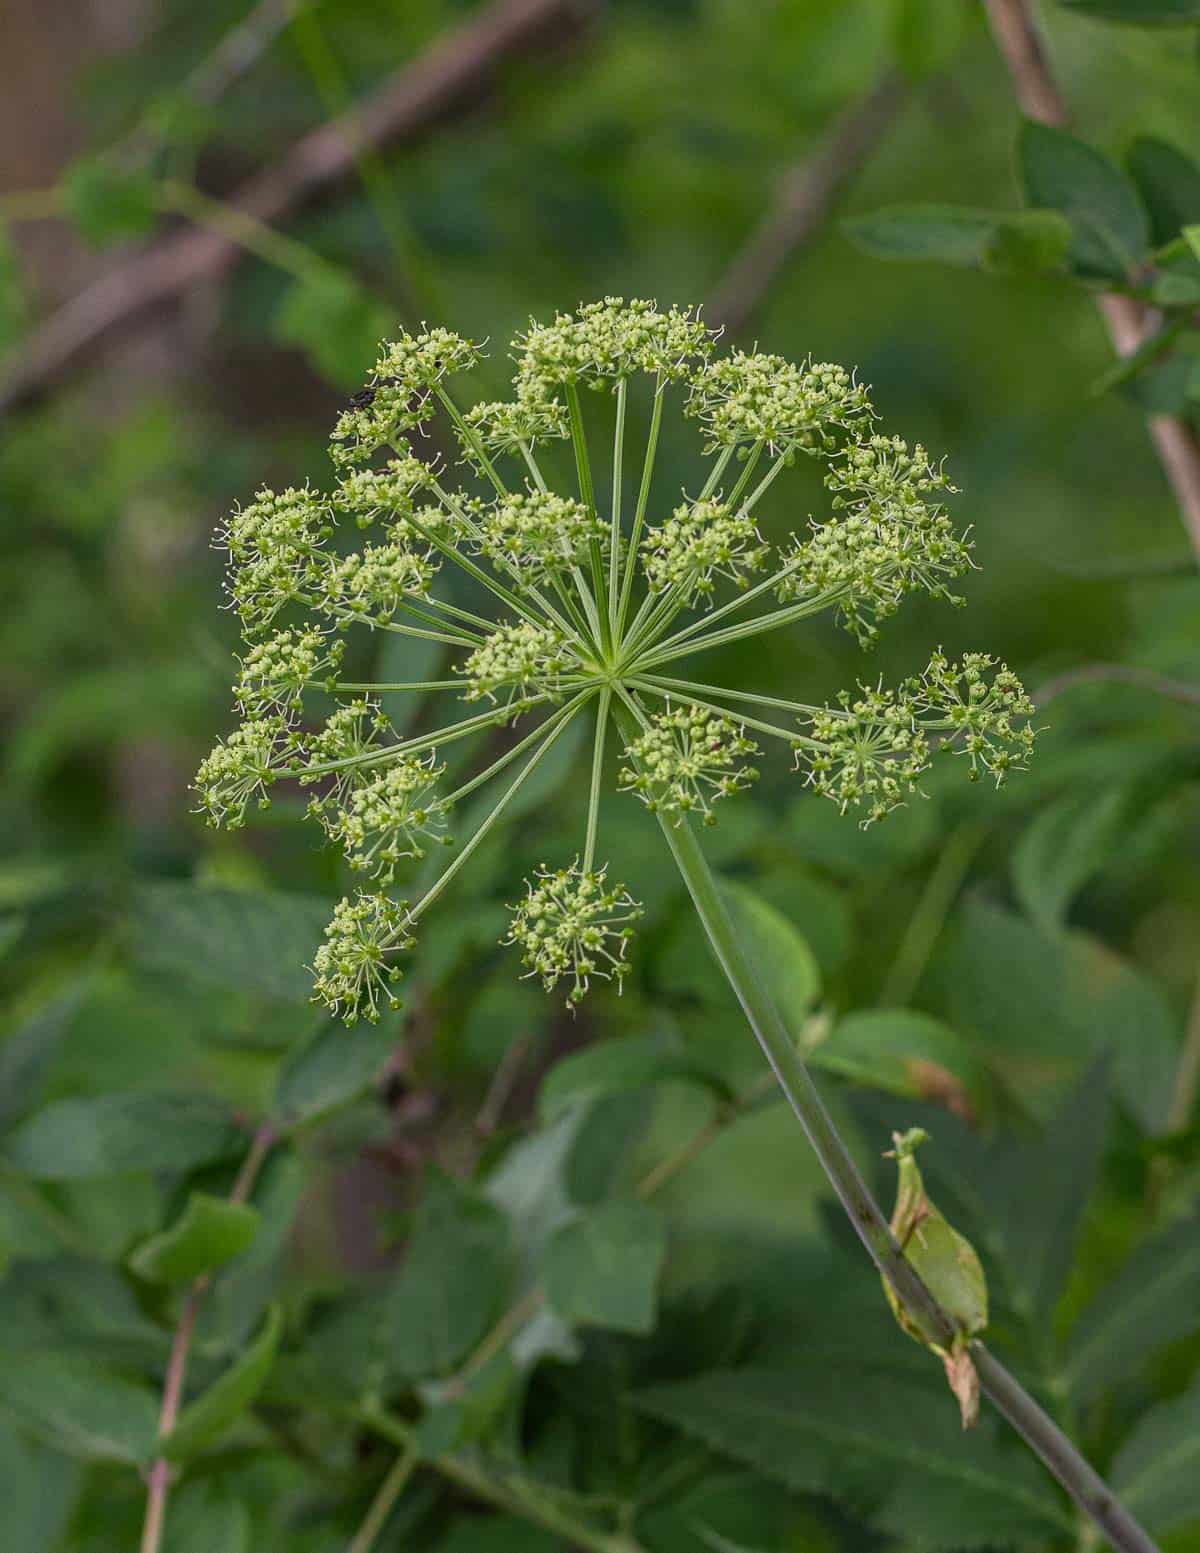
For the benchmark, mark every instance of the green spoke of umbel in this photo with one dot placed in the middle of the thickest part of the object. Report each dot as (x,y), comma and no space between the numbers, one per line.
(578,599)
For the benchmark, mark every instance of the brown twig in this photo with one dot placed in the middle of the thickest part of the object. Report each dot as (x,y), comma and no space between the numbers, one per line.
(158,1479)
(1038,94)
(453,71)
(806,196)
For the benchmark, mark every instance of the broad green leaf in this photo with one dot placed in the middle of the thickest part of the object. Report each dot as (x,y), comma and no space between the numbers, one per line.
(1045,1007)
(116,1134)
(928,34)
(1191,236)
(210,1232)
(628,1062)
(258,941)
(963,236)
(1063,846)
(1138,13)
(456,1275)
(331,1070)
(1110,228)
(109,203)
(218,1408)
(894,1448)
(530,1184)
(40,1487)
(204,1518)
(784,959)
(1151,1302)
(78,1405)
(1156,1473)
(1169,183)
(497,1534)
(907,1053)
(336,322)
(26,1053)
(601,1269)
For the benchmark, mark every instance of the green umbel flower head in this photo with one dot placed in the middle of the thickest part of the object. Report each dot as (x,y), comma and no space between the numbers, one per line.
(550,603)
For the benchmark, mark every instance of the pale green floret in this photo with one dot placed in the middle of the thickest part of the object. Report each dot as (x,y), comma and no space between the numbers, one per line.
(522,659)
(371,585)
(390,817)
(274,547)
(355,734)
(538,535)
(702,541)
(986,721)
(353,974)
(573,925)
(370,494)
(874,754)
(687,759)
(605,342)
(513,426)
(241,768)
(746,399)
(396,399)
(883,471)
(276,672)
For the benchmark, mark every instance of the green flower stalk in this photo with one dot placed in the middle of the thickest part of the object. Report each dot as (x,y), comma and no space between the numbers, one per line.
(585,605)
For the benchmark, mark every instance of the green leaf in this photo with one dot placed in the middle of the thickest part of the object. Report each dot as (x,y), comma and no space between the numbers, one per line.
(336,322)
(784,959)
(1109,225)
(601,1269)
(29,1050)
(40,1487)
(216,1409)
(210,1232)
(79,1406)
(457,1273)
(1150,1303)
(894,1448)
(628,1062)
(13,308)
(1063,846)
(201,1518)
(530,1184)
(108,203)
(1156,1473)
(497,1534)
(1169,183)
(1138,13)
(1191,236)
(116,1134)
(963,236)
(906,1053)
(331,1070)
(928,34)
(258,941)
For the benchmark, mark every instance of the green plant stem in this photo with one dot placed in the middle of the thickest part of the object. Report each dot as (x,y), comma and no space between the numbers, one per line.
(587,494)
(723,693)
(929,913)
(1034,1425)
(509,756)
(639,516)
(158,1478)
(589,849)
(792,740)
(384,1501)
(614,560)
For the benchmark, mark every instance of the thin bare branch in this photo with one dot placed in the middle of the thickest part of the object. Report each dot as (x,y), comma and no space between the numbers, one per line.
(452,73)
(807,194)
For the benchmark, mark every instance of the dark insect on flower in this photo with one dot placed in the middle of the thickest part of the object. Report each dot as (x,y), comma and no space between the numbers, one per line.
(363,399)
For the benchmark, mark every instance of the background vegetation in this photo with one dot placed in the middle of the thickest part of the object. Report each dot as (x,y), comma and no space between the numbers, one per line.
(578,1273)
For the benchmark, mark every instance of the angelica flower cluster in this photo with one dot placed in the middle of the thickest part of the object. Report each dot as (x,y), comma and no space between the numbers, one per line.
(549,604)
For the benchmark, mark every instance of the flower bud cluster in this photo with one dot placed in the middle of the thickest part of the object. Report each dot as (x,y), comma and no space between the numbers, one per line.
(372,583)
(743,398)
(353,974)
(276,672)
(605,342)
(274,547)
(339,756)
(241,768)
(699,542)
(687,759)
(538,535)
(985,720)
(509,426)
(389,817)
(395,400)
(370,494)
(522,659)
(572,924)
(873,753)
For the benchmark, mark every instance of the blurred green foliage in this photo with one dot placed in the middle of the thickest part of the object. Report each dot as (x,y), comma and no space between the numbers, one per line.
(698,1357)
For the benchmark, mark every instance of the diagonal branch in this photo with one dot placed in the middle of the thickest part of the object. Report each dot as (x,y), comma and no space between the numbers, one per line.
(806,196)
(453,73)
(1038,94)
